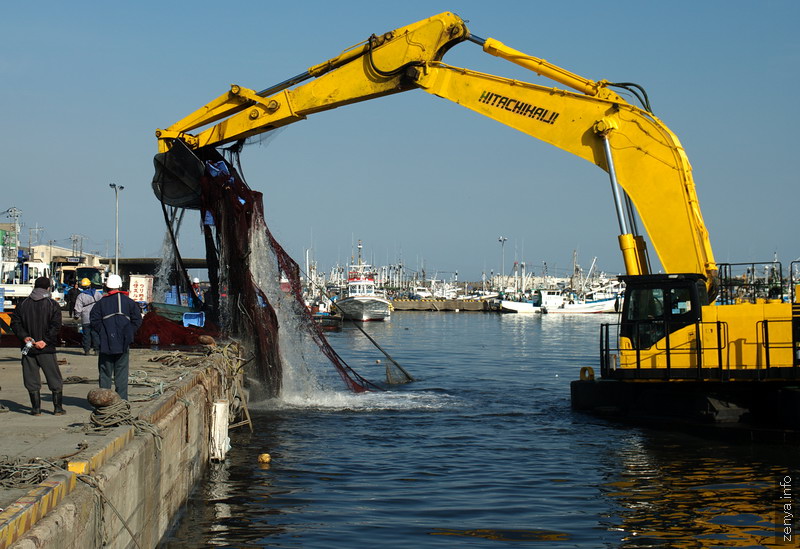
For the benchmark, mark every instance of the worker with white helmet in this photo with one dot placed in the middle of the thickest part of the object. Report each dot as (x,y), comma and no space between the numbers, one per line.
(198,291)
(116,318)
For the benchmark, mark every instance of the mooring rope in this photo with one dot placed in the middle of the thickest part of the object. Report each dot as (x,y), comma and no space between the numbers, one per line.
(140,378)
(16,472)
(119,413)
(76,379)
(100,499)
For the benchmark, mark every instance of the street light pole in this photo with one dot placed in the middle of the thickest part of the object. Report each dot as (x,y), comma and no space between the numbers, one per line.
(502,241)
(117,189)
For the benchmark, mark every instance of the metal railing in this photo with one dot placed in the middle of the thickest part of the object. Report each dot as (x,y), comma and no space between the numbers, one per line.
(610,351)
(748,282)
(794,279)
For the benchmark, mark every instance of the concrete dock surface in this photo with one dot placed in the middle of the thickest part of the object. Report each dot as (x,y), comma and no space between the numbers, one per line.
(52,437)
(162,382)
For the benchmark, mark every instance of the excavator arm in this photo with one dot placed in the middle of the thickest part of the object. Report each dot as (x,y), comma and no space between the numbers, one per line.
(647,165)
(374,68)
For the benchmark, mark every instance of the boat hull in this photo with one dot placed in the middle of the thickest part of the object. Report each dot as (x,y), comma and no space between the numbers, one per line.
(610,305)
(522,307)
(327,321)
(364,308)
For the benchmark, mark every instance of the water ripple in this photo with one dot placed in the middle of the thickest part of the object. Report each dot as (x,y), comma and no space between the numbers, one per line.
(482,451)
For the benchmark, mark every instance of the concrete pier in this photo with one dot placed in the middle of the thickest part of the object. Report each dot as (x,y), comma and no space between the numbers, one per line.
(440,305)
(115,485)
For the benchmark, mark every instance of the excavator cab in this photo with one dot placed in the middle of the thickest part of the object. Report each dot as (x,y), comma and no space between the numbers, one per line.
(657,305)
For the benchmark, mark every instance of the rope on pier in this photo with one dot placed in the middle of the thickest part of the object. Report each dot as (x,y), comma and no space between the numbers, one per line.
(100,501)
(228,362)
(77,379)
(16,472)
(119,413)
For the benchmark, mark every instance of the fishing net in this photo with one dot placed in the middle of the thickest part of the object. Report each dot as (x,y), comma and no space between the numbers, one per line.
(170,332)
(233,219)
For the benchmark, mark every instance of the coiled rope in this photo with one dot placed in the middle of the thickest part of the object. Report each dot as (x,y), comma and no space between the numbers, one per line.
(119,413)
(16,472)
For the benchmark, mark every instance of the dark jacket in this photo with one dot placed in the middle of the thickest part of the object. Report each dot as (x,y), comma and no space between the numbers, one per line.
(72,295)
(116,318)
(38,316)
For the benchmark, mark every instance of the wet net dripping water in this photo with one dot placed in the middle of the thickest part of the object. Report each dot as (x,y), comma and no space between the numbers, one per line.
(252,305)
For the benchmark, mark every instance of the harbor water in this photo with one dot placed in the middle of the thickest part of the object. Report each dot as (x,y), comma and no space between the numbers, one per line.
(482,450)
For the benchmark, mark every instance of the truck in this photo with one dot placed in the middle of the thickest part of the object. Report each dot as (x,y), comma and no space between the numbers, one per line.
(17,279)
(699,340)
(66,275)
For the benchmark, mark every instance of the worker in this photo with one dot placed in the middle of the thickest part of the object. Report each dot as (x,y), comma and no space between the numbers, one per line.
(72,296)
(83,309)
(198,291)
(116,318)
(36,321)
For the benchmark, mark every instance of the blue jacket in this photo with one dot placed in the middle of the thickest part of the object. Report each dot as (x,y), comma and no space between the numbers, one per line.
(116,318)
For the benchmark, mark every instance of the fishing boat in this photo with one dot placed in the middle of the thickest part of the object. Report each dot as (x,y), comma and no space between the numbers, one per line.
(606,299)
(524,307)
(584,295)
(327,319)
(361,300)
(529,305)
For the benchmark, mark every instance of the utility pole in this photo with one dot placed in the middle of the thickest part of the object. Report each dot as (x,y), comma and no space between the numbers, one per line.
(74,238)
(37,229)
(502,241)
(15,214)
(77,244)
(117,189)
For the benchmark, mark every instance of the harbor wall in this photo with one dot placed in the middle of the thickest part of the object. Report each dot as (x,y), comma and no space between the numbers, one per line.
(439,305)
(142,480)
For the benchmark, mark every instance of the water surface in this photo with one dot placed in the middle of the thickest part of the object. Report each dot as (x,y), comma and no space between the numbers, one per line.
(481,451)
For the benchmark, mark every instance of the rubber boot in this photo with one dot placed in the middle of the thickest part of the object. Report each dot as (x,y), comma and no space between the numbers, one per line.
(58,397)
(36,403)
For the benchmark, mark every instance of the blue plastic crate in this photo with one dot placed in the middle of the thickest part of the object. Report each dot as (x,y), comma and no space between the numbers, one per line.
(194,319)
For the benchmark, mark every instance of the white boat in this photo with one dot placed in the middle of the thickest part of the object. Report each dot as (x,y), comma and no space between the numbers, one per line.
(421,292)
(361,301)
(525,307)
(480,295)
(600,300)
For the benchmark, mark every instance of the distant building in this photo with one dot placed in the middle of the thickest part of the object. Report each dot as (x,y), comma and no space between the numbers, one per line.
(8,241)
(58,255)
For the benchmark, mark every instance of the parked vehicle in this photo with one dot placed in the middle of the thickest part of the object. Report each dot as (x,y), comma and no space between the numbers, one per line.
(18,278)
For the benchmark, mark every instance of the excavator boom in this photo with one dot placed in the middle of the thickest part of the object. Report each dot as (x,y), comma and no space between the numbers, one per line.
(374,68)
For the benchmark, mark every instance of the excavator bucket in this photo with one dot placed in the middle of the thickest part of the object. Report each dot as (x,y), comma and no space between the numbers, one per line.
(177,178)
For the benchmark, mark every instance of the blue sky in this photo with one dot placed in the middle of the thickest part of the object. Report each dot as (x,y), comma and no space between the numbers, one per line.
(84,86)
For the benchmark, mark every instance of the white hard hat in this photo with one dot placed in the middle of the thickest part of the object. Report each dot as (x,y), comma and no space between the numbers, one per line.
(114,282)
(195,280)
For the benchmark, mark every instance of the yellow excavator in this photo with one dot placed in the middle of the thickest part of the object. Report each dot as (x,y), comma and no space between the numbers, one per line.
(696,341)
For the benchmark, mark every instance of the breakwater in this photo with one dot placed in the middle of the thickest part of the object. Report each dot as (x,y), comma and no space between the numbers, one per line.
(440,305)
